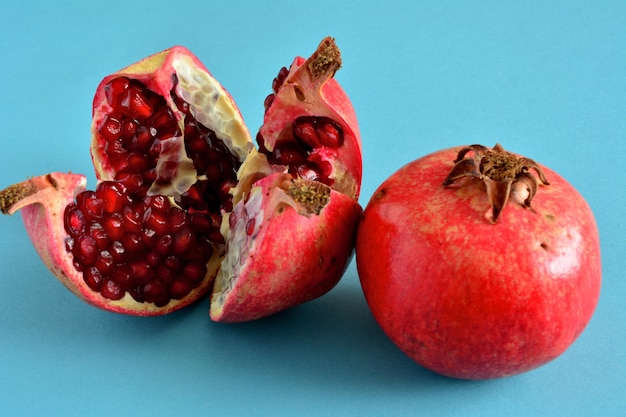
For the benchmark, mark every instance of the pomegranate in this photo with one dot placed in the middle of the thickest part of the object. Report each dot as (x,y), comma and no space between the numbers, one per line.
(479,263)
(167,141)
(167,145)
(291,234)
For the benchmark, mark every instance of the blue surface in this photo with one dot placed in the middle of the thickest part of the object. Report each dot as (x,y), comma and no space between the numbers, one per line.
(544,78)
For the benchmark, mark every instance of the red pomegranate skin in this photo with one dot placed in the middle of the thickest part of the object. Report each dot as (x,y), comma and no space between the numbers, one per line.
(467,298)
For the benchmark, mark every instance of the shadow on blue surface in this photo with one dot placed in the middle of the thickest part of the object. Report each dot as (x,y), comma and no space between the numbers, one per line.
(333,341)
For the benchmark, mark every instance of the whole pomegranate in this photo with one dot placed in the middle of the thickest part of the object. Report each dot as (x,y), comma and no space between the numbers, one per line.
(173,159)
(467,285)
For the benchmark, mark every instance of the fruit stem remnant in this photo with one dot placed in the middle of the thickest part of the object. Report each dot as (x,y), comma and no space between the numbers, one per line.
(14,193)
(13,197)
(310,195)
(325,61)
(502,172)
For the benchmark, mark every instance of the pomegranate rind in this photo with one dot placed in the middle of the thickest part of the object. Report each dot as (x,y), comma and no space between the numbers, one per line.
(210,103)
(42,214)
(308,92)
(287,255)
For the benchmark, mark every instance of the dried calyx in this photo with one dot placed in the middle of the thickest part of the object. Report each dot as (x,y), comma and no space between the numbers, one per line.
(503,173)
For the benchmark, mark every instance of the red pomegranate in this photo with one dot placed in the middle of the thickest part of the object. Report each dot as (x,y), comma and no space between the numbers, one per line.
(467,285)
(168,143)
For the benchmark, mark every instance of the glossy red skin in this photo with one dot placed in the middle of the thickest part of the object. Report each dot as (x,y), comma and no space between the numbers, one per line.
(470,299)
(296,258)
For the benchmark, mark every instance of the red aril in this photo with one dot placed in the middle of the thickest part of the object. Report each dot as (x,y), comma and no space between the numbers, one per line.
(471,286)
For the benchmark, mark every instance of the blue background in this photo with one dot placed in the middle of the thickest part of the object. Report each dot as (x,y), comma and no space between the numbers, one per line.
(544,78)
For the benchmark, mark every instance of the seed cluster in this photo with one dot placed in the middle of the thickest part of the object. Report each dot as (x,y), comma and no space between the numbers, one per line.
(124,240)
(148,248)
(307,134)
(136,133)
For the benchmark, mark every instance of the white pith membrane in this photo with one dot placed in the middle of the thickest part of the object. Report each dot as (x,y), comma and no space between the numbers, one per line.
(211,106)
(239,241)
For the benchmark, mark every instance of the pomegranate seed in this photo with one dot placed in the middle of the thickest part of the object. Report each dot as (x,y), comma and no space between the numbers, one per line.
(183,241)
(118,252)
(123,277)
(250,226)
(289,154)
(138,162)
(195,271)
(279,80)
(142,140)
(114,89)
(155,290)
(74,220)
(97,233)
(105,262)
(179,289)
(318,131)
(86,250)
(176,219)
(172,262)
(307,171)
(216,237)
(133,216)
(110,128)
(137,294)
(214,173)
(133,103)
(330,134)
(112,195)
(129,128)
(93,278)
(164,245)
(157,202)
(164,122)
(142,272)
(155,220)
(269,100)
(113,226)
(132,182)
(148,238)
(304,129)
(200,251)
(165,274)
(111,290)
(132,243)
(196,143)
(194,197)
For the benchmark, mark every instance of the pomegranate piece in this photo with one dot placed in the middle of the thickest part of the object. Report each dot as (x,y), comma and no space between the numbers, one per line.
(289,242)
(471,286)
(310,120)
(167,140)
(291,233)
(149,233)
